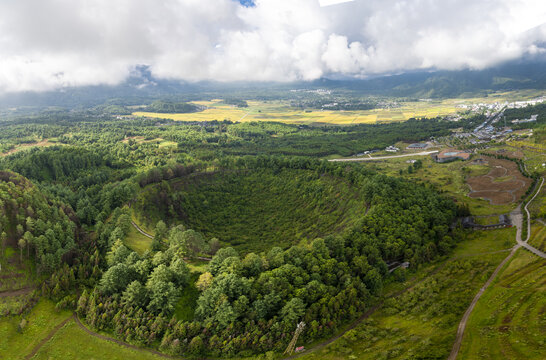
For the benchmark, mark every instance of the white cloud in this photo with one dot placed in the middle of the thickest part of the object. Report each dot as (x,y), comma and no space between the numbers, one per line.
(47,44)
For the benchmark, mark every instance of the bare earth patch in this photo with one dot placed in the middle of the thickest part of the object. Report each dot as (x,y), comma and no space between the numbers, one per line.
(504,184)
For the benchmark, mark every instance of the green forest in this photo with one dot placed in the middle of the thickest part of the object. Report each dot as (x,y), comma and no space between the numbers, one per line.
(282,235)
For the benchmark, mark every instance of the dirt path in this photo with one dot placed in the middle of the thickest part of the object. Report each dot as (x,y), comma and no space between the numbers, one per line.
(423,153)
(119,342)
(141,231)
(46,339)
(17,292)
(466,316)
(517,219)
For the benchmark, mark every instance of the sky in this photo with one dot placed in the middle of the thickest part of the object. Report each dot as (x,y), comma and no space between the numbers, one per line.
(52,44)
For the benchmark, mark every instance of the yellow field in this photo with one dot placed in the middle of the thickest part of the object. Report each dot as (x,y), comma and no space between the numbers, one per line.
(278,111)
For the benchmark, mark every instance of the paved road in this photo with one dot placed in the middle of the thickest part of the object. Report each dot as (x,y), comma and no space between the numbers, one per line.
(525,243)
(422,153)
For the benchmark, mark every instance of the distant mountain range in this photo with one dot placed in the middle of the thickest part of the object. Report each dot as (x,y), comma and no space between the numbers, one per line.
(141,87)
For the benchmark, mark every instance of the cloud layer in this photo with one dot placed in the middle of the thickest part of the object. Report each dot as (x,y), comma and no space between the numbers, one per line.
(47,44)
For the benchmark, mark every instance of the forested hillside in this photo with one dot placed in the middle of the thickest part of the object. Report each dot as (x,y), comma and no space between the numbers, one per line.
(42,229)
(292,237)
(250,302)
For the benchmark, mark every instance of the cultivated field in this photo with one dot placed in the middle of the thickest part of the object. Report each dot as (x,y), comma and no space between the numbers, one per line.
(502,185)
(281,112)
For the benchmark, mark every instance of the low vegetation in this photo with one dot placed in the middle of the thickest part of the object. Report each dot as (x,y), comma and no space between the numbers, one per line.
(508,322)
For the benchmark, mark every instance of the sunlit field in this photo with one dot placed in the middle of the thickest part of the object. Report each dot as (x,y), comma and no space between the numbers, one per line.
(281,112)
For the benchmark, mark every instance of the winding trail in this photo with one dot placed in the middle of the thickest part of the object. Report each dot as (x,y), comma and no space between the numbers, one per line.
(46,339)
(141,231)
(17,292)
(517,219)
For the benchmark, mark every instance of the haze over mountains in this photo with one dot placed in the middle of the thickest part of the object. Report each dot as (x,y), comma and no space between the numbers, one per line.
(141,86)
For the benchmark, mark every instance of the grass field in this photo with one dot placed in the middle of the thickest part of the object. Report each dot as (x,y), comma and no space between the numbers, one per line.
(508,321)
(42,319)
(420,323)
(538,236)
(137,242)
(72,342)
(38,143)
(484,241)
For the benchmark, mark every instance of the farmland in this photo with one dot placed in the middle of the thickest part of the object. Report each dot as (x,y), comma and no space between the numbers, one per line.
(280,112)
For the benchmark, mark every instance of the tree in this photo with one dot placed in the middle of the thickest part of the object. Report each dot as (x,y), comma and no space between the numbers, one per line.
(214,245)
(292,311)
(204,281)
(29,239)
(115,279)
(196,345)
(3,239)
(118,253)
(180,272)
(22,243)
(160,234)
(218,259)
(134,294)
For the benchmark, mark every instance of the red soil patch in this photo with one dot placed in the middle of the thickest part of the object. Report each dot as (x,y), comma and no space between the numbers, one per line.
(504,184)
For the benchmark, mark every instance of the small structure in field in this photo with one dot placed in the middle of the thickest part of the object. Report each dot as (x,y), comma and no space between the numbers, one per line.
(417,146)
(469,223)
(451,155)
